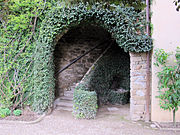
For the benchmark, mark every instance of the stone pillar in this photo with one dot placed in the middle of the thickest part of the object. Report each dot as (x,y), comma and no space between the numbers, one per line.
(138,85)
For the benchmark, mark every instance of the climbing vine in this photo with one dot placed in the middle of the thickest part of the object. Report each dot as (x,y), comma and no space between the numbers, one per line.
(18,30)
(124,24)
(137,4)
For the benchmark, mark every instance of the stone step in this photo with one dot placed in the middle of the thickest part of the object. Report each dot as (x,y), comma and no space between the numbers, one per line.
(69,92)
(66,98)
(64,103)
(68,95)
(59,108)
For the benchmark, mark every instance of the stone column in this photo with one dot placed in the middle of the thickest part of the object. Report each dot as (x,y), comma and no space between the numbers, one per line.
(138,85)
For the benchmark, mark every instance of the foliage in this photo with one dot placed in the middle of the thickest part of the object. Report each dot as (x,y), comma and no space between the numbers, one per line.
(137,4)
(84,104)
(17,30)
(26,43)
(169,81)
(177,4)
(4,112)
(116,97)
(109,73)
(19,15)
(178,55)
(124,24)
(161,57)
(17,112)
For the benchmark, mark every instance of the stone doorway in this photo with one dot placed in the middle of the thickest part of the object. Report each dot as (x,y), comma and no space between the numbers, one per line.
(79,40)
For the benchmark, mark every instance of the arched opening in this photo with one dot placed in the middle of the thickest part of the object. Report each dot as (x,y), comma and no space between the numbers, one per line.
(73,44)
(105,70)
(125,26)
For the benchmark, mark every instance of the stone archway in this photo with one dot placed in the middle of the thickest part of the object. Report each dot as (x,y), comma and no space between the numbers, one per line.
(121,23)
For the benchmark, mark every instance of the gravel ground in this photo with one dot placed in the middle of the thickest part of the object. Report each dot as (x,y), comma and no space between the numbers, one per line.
(110,121)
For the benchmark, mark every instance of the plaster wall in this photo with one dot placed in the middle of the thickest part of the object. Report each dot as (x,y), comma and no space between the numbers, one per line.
(166,35)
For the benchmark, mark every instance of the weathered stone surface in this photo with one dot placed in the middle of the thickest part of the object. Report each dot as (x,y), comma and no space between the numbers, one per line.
(140,93)
(138,85)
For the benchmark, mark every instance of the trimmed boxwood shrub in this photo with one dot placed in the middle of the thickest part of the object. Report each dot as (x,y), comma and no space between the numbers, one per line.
(117,97)
(84,104)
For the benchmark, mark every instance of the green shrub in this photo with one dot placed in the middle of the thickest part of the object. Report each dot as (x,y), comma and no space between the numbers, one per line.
(116,97)
(17,112)
(84,104)
(169,81)
(4,112)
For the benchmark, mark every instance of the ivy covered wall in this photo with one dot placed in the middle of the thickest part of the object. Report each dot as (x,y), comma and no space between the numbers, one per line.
(125,25)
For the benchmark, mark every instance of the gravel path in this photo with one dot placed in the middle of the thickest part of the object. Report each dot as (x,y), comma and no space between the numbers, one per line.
(113,122)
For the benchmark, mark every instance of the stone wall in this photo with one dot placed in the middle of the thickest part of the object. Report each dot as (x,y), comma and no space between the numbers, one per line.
(138,86)
(73,44)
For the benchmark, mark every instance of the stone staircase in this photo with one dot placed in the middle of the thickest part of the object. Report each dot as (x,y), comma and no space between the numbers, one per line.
(64,102)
